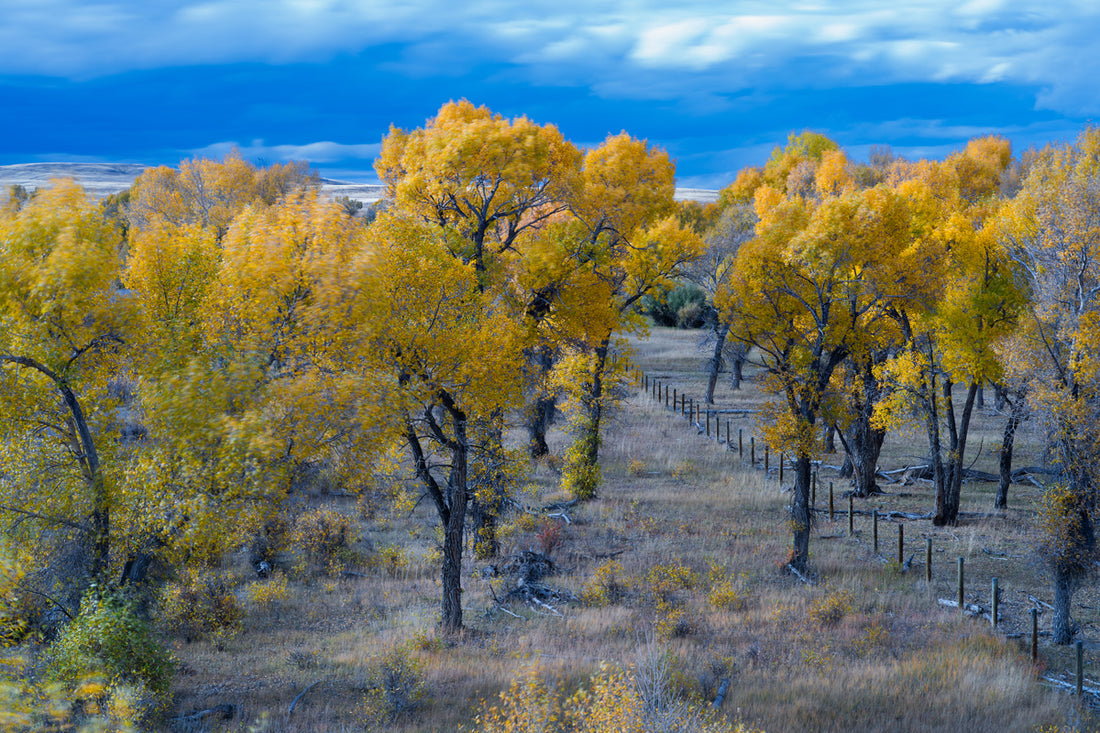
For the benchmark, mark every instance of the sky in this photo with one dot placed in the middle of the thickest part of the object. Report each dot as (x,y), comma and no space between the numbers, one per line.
(717,84)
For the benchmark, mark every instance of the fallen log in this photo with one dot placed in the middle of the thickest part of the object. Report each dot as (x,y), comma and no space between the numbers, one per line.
(300,695)
(974,610)
(722,690)
(224,711)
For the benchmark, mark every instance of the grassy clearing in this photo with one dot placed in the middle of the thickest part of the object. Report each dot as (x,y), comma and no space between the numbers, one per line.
(681,550)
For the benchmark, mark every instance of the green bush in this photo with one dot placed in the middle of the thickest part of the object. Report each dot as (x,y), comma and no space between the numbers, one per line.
(109,640)
(665,309)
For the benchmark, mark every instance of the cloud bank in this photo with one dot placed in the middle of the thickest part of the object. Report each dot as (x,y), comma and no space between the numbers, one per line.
(613,47)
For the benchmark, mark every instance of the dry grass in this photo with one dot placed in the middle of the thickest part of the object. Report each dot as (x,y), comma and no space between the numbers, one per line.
(701,537)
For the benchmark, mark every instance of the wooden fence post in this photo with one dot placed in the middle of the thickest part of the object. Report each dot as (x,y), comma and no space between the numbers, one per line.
(752,451)
(851,517)
(928,559)
(741,443)
(780,469)
(874,530)
(1034,635)
(962,601)
(994,602)
(901,543)
(830,502)
(765,461)
(1080,648)
(813,489)
(673,398)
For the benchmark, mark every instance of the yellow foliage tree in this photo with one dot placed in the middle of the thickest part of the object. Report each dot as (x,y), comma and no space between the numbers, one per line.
(64,321)
(969,302)
(1052,230)
(808,292)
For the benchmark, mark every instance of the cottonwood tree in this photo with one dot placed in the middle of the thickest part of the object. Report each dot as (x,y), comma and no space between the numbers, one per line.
(821,272)
(711,271)
(492,186)
(449,360)
(968,302)
(629,243)
(236,384)
(65,320)
(1053,231)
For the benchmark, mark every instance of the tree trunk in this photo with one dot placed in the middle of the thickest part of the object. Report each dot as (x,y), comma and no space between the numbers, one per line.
(864,443)
(830,438)
(1062,626)
(935,455)
(801,519)
(581,474)
(1007,441)
(451,606)
(737,362)
(486,542)
(957,454)
(715,363)
(88,458)
(541,414)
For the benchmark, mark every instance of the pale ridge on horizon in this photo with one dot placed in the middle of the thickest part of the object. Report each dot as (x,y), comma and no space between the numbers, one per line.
(104,179)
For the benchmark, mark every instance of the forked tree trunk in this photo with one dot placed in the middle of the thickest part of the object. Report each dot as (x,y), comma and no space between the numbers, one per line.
(714,364)
(541,413)
(956,455)
(1005,462)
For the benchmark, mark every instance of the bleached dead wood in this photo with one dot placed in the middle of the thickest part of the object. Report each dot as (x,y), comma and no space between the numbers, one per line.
(224,711)
(800,576)
(300,695)
(974,610)
(722,690)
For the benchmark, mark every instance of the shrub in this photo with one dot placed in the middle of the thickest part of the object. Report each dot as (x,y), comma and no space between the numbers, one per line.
(692,315)
(325,537)
(665,310)
(108,640)
(610,701)
(200,604)
(393,559)
(831,608)
(270,592)
(606,586)
(550,535)
(664,581)
(395,685)
(29,704)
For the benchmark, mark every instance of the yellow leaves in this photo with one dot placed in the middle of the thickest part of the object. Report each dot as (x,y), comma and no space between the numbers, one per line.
(423,318)
(469,168)
(627,185)
(60,264)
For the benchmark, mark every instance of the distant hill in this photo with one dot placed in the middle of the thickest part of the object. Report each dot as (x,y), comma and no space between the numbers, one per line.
(103,179)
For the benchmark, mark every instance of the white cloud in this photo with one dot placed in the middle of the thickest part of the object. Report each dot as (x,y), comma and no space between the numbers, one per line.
(601,43)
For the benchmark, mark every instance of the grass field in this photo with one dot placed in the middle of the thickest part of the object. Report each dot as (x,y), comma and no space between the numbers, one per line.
(680,556)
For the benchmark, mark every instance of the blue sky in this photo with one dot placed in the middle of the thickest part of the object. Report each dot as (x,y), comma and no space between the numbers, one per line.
(716,84)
